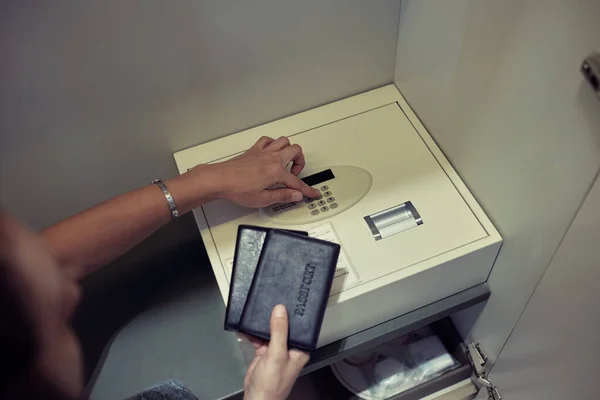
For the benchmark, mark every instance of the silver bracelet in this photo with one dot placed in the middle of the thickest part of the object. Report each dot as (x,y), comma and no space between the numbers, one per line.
(170,201)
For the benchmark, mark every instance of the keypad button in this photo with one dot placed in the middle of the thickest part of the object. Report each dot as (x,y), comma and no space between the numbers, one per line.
(333,205)
(321,202)
(320,197)
(324,187)
(314,212)
(312,206)
(330,199)
(327,194)
(325,208)
(308,200)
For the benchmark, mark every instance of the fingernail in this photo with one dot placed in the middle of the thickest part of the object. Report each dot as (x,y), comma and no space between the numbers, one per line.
(279,311)
(296,196)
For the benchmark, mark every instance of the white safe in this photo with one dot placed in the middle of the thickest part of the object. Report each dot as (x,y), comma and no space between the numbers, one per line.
(410,230)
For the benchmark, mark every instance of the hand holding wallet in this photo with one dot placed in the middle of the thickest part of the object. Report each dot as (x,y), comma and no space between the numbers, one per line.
(248,248)
(297,272)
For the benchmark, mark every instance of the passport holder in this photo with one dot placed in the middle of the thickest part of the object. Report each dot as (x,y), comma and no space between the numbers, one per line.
(248,247)
(297,272)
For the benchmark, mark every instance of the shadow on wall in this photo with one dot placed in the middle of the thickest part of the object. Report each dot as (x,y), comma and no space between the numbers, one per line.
(164,267)
(99,95)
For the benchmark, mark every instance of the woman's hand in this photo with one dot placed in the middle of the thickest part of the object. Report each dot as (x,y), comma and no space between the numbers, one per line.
(105,232)
(248,178)
(273,372)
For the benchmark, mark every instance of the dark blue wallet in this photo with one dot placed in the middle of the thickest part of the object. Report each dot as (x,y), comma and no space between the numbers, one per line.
(248,247)
(296,271)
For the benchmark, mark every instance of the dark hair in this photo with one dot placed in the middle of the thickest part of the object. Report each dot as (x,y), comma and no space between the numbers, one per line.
(17,334)
(19,345)
(17,340)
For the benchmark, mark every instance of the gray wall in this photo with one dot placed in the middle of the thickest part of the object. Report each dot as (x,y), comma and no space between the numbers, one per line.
(96,96)
(497,84)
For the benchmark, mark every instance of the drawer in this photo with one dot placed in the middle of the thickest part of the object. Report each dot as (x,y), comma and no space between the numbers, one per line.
(451,384)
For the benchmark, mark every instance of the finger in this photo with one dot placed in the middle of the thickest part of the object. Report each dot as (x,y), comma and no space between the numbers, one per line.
(251,371)
(256,342)
(283,195)
(262,350)
(294,154)
(278,144)
(293,182)
(298,360)
(279,333)
(262,143)
(299,357)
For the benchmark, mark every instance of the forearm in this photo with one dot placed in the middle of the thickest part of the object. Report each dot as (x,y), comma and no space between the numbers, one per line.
(103,233)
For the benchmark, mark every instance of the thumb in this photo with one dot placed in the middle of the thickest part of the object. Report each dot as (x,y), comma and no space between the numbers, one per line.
(279,333)
(284,195)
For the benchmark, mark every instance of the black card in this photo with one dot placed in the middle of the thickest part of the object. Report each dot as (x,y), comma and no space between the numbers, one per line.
(248,247)
(297,272)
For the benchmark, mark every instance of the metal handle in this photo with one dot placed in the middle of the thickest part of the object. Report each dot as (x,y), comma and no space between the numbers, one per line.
(393,220)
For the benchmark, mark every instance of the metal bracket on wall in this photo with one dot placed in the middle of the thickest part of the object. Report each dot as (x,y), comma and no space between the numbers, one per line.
(590,68)
(478,361)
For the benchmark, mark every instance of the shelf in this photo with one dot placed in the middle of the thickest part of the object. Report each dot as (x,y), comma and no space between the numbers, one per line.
(396,327)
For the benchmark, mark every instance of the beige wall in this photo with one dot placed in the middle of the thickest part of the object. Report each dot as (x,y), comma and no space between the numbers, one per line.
(95,96)
(497,84)
(553,352)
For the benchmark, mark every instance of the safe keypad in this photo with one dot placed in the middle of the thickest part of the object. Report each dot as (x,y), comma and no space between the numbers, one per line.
(323,203)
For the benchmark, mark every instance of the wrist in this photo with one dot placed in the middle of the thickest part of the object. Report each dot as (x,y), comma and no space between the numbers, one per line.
(192,189)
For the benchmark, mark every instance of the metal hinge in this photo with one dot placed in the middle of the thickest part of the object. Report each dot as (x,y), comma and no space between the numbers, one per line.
(478,359)
(590,68)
